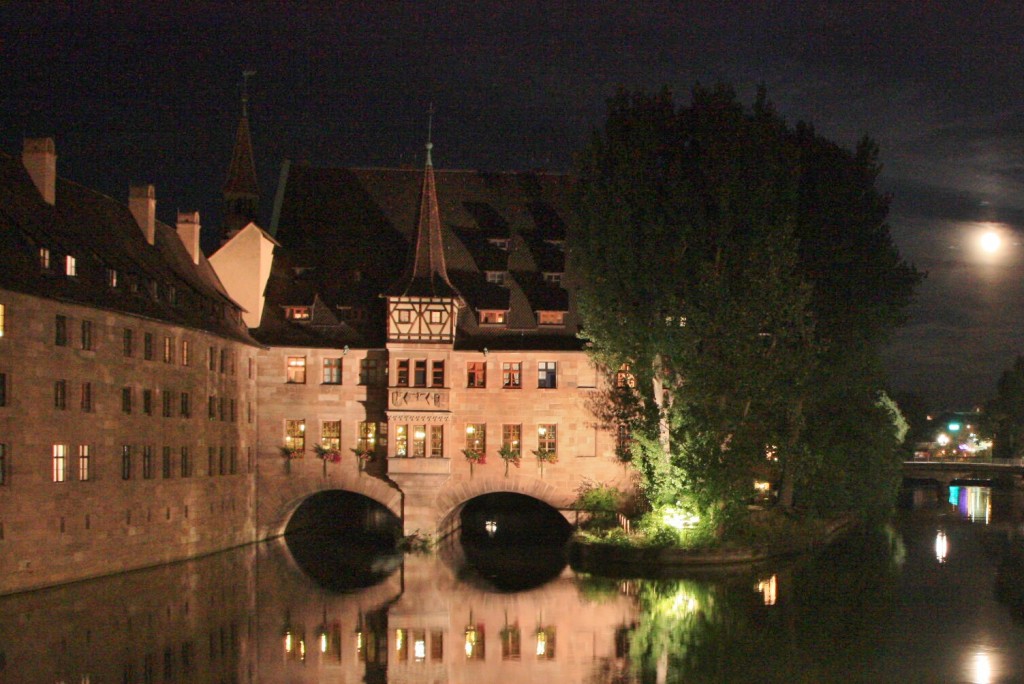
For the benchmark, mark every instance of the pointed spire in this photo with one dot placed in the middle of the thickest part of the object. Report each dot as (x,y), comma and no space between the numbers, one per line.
(241,189)
(428,275)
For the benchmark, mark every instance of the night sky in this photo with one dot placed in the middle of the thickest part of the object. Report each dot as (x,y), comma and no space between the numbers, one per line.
(150,92)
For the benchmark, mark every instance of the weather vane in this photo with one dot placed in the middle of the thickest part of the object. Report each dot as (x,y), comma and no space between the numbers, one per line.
(245,91)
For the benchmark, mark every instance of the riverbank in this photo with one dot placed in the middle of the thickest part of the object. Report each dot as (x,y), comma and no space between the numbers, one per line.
(622,559)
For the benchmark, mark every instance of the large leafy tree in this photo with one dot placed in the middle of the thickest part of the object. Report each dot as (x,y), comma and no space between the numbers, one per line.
(1004,414)
(735,264)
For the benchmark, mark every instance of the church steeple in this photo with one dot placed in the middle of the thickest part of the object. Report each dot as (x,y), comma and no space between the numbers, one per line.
(241,189)
(427,275)
(423,306)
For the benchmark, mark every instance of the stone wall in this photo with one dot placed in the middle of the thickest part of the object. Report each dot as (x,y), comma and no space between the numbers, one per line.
(62,521)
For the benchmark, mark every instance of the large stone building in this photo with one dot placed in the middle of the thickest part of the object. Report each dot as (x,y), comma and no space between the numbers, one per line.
(127,384)
(408,326)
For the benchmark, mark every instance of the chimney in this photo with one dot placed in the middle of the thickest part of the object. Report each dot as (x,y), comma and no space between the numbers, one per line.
(188,231)
(39,156)
(142,204)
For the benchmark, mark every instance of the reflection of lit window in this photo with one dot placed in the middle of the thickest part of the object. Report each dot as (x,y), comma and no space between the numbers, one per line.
(294,646)
(769,590)
(546,643)
(475,642)
(402,644)
(419,645)
(361,647)
(511,639)
(436,645)
(941,546)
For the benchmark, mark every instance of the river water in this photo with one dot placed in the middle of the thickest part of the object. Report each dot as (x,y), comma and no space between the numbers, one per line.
(937,596)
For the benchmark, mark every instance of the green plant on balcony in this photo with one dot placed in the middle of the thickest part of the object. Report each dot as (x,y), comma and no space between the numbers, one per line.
(545,456)
(510,455)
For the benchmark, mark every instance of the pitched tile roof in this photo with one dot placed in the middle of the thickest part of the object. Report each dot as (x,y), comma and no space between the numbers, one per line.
(346,235)
(159,281)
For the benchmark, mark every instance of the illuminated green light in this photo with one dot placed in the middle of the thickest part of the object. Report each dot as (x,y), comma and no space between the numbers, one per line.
(954,427)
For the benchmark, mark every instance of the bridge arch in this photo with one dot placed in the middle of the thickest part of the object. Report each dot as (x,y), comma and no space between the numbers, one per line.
(453,497)
(287,496)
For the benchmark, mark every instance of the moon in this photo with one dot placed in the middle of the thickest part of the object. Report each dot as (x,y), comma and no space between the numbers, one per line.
(991,242)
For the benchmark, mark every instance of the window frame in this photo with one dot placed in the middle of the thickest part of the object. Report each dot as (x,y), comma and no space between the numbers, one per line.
(295,370)
(332,369)
(511,374)
(547,375)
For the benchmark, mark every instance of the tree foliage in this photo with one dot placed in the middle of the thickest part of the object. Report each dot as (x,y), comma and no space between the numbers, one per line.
(744,271)
(1004,414)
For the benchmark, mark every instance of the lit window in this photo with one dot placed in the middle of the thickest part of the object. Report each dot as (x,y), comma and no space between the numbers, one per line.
(367,440)
(70,265)
(496,277)
(511,374)
(60,464)
(84,463)
(547,438)
(330,434)
(297,313)
(419,441)
(3,319)
(44,258)
(546,643)
(511,643)
(476,437)
(404,316)
(500,243)
(401,441)
(624,378)
(185,353)
(491,317)
(435,316)
(553,278)
(332,371)
(296,369)
(551,318)
(295,435)
(111,277)
(436,441)
(510,437)
(168,350)
(546,374)
(476,374)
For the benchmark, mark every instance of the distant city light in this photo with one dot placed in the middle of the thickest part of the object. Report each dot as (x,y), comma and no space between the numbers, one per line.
(941,547)
(990,242)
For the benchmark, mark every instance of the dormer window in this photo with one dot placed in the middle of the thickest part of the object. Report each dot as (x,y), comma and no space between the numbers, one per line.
(500,243)
(557,244)
(492,317)
(496,277)
(70,266)
(354,314)
(553,278)
(44,258)
(551,318)
(296,313)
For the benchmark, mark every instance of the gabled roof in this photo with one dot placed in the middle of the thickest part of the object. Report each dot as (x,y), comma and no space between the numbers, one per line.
(102,235)
(353,233)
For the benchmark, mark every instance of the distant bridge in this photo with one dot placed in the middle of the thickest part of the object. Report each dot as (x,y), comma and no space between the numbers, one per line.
(948,471)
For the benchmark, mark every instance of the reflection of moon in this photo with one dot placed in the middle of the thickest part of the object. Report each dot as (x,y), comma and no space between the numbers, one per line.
(990,242)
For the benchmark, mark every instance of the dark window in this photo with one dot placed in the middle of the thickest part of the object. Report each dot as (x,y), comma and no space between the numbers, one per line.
(60,394)
(167,403)
(369,372)
(60,337)
(126,399)
(186,463)
(86,335)
(511,374)
(186,410)
(147,462)
(332,371)
(3,389)
(546,374)
(87,396)
(420,373)
(127,342)
(476,374)
(212,407)
(403,373)
(437,374)
(126,462)
(167,462)
(147,402)
(3,464)
(147,346)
